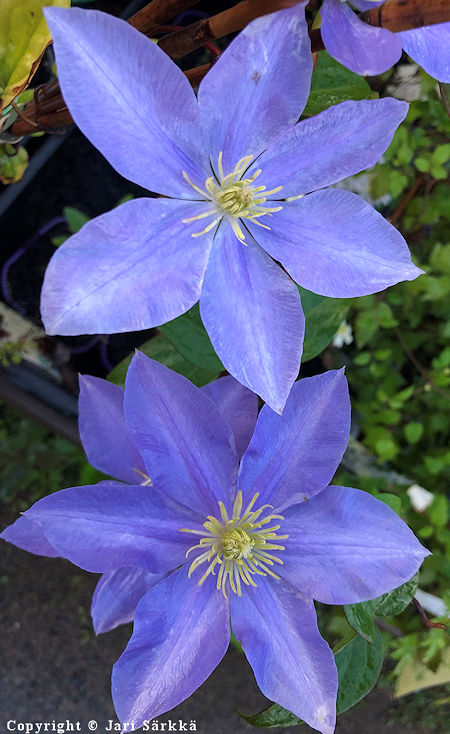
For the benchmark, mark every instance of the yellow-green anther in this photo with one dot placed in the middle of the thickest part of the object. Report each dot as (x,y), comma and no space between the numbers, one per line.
(238,545)
(234,197)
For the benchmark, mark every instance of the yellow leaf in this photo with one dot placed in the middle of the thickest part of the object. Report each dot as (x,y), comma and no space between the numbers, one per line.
(24,37)
(416,677)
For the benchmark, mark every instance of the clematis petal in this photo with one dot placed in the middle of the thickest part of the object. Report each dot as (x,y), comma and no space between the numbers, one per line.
(428,47)
(29,536)
(187,446)
(133,268)
(335,244)
(364,5)
(132,102)
(345,546)
(292,663)
(117,595)
(293,456)
(237,405)
(258,87)
(252,313)
(357,134)
(106,526)
(106,439)
(181,633)
(357,45)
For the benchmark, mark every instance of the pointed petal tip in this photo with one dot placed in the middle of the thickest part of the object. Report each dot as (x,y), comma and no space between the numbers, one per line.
(57,17)
(416,272)
(84,381)
(97,628)
(52,12)
(276,405)
(276,400)
(140,361)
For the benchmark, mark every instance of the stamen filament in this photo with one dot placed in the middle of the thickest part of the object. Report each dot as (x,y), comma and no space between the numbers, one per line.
(239,545)
(234,196)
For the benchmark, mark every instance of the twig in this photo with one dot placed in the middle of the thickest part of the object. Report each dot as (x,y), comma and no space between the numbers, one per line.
(444,98)
(409,196)
(212,48)
(22,116)
(400,15)
(418,366)
(393,14)
(197,34)
(429,185)
(159,12)
(196,74)
(383,625)
(427,622)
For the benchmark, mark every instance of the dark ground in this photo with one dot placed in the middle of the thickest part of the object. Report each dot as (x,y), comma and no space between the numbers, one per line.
(54,668)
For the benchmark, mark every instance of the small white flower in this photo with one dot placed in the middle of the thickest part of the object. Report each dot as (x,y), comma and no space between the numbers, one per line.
(344,335)
(431,603)
(420,498)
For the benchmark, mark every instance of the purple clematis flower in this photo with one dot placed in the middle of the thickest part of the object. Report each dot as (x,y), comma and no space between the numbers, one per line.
(366,49)
(111,448)
(257,543)
(238,171)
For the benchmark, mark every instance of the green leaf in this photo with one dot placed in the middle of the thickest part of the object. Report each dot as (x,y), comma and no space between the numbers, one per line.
(365,327)
(441,154)
(235,642)
(332,83)
(323,318)
(360,617)
(423,163)
(413,431)
(438,172)
(397,600)
(438,511)
(385,315)
(386,448)
(75,218)
(391,500)
(13,163)
(273,716)
(358,663)
(189,337)
(362,359)
(162,350)
(24,38)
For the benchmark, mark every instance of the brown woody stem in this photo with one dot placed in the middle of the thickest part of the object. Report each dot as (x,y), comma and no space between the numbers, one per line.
(159,12)
(427,622)
(401,15)
(395,15)
(197,34)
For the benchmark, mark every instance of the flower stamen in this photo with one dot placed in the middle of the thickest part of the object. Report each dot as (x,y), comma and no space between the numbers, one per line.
(147,481)
(238,545)
(234,197)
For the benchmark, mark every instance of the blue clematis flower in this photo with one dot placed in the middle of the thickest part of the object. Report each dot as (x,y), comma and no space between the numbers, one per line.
(255,543)
(238,171)
(366,49)
(110,448)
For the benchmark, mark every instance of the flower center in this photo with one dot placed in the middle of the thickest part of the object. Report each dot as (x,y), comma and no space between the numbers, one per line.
(234,197)
(238,546)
